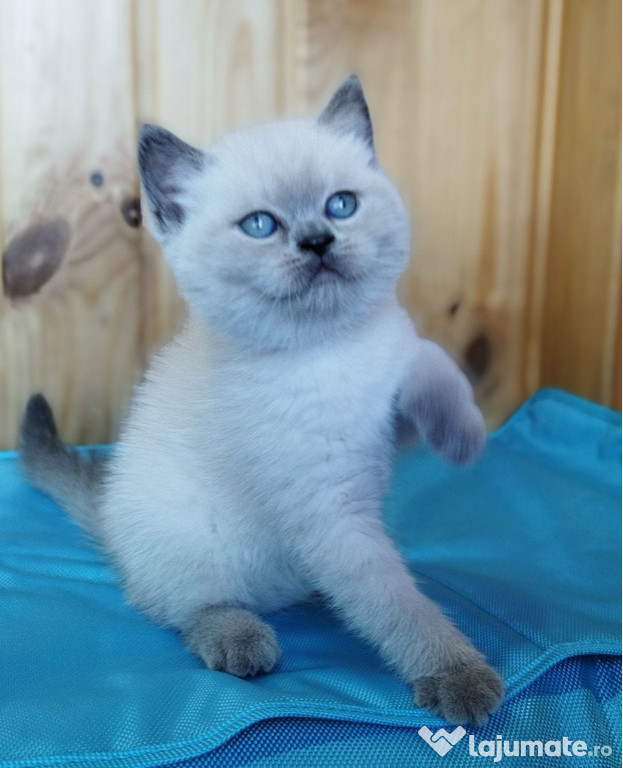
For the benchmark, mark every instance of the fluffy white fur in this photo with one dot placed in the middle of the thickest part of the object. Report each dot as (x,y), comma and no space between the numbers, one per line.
(250,470)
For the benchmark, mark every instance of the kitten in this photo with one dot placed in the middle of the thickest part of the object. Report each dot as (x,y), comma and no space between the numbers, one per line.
(251,467)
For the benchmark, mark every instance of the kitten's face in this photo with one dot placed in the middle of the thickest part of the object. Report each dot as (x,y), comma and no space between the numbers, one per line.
(282,234)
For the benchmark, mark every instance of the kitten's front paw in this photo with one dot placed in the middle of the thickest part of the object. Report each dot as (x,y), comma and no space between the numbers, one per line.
(456,431)
(233,640)
(466,693)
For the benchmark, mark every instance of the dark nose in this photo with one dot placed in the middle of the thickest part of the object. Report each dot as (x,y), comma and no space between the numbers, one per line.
(316,243)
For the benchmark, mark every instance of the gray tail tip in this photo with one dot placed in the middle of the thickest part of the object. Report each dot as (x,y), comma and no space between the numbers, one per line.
(38,425)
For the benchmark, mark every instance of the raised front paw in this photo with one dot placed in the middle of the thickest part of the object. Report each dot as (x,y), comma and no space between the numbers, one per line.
(453,428)
(467,693)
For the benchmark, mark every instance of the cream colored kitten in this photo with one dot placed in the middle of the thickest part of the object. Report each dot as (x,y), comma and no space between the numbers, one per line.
(250,470)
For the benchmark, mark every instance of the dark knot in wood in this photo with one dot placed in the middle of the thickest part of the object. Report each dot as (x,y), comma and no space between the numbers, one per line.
(131,211)
(96,178)
(478,355)
(33,256)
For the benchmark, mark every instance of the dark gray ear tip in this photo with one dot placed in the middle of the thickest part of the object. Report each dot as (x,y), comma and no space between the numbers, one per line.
(352,88)
(347,111)
(146,132)
(158,144)
(151,132)
(149,136)
(154,137)
(353,82)
(158,137)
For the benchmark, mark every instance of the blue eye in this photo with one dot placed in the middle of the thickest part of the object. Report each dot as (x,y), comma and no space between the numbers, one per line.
(341,205)
(259,224)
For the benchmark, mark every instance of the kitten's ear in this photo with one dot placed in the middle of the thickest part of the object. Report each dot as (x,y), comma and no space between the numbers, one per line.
(347,112)
(167,166)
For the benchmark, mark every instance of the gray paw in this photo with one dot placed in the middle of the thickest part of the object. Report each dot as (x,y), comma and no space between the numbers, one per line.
(464,694)
(454,430)
(233,640)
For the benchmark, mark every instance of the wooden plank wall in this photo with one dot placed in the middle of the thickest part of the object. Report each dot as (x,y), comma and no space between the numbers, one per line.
(499,120)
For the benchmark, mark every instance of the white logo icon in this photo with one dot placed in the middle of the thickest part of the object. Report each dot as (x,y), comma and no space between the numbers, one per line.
(442,741)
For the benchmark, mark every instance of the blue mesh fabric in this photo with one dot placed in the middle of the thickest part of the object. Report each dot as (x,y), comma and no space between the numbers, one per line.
(522,550)
(579,698)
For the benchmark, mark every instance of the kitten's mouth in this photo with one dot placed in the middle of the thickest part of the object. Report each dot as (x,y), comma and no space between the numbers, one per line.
(325,273)
(318,276)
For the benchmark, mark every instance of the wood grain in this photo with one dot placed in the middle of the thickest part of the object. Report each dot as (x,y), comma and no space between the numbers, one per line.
(581,308)
(66,137)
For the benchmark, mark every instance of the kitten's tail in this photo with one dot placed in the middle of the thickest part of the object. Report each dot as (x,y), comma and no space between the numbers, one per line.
(72,481)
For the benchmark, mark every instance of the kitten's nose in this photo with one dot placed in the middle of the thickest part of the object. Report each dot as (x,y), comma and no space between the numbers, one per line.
(317,243)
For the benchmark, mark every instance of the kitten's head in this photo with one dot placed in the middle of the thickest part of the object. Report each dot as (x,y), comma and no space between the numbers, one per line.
(282,234)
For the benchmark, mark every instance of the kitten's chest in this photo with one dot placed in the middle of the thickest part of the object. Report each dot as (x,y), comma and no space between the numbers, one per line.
(325,403)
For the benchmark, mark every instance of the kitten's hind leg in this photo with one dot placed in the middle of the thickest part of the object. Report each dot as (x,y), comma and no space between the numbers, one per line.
(233,640)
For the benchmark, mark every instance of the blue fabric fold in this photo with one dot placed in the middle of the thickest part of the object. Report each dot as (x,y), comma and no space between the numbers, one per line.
(522,550)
